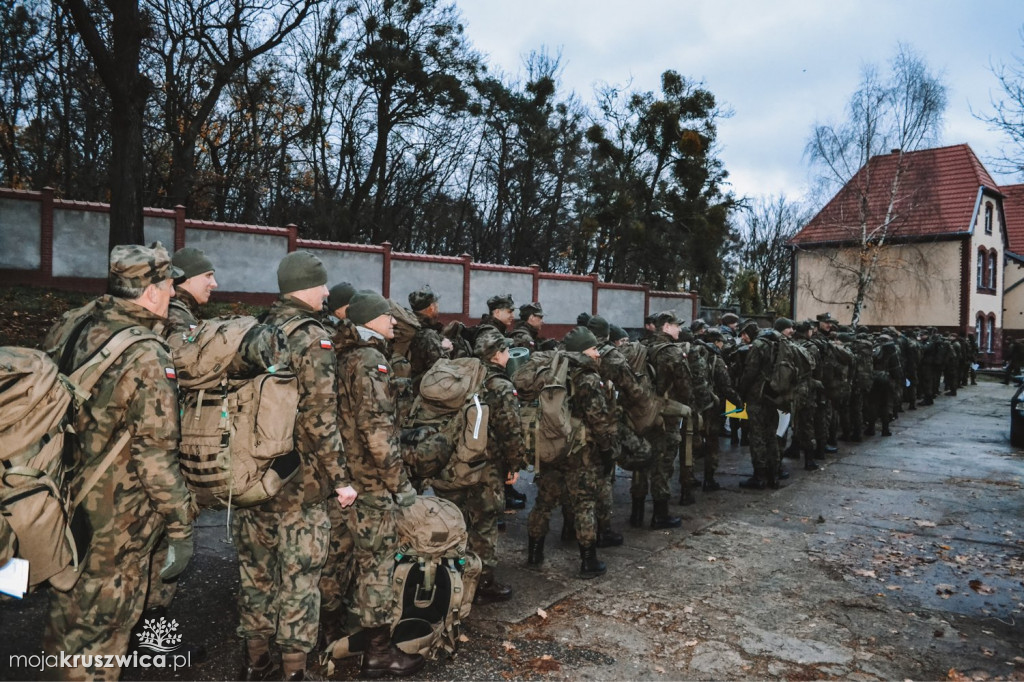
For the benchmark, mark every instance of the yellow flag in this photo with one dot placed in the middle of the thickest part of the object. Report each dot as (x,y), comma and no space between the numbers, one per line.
(730,411)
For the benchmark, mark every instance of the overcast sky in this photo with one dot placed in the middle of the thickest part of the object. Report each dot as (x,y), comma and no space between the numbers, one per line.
(780,65)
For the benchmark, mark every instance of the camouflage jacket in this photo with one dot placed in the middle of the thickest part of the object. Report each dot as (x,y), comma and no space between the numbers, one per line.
(425,348)
(589,404)
(487,321)
(505,444)
(671,371)
(317,438)
(142,493)
(721,381)
(759,364)
(368,414)
(615,369)
(525,336)
(182,313)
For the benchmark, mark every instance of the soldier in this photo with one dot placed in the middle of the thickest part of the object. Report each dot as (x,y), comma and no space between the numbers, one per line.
(618,378)
(283,543)
(887,371)
(702,399)
(926,370)
(141,496)
(1014,359)
(735,358)
(972,359)
(337,304)
(713,418)
(427,345)
(483,503)
(954,361)
(761,407)
(527,331)
(860,389)
(729,324)
(366,405)
(579,470)
(910,354)
(809,403)
(500,315)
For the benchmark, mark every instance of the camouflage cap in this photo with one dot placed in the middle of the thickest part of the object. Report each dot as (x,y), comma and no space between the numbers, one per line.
(729,318)
(579,339)
(501,302)
(533,308)
(666,317)
(134,266)
(714,335)
(582,319)
(192,262)
(419,300)
(751,329)
(490,342)
(826,317)
(697,325)
(847,337)
(340,296)
(802,327)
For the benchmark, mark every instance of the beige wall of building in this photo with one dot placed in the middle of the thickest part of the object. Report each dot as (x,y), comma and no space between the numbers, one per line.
(1013,298)
(986,297)
(914,285)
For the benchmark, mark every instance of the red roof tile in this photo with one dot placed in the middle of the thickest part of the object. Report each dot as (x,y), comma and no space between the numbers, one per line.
(1013,210)
(938,191)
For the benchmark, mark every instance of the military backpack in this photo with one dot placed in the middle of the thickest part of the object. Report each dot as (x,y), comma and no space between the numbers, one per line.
(406,326)
(791,366)
(549,430)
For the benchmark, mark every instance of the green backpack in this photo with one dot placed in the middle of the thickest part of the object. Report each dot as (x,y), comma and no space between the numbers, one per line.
(549,430)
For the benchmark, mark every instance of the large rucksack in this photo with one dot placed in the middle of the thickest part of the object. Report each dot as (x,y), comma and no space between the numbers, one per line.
(645,412)
(238,410)
(435,579)
(549,430)
(697,358)
(39,402)
(447,425)
(406,326)
(791,366)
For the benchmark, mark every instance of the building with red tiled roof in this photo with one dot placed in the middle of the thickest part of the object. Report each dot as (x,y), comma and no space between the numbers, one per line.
(929,227)
(1013,288)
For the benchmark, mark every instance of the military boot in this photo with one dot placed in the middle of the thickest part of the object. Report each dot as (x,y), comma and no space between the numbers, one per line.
(793,451)
(759,481)
(686,486)
(606,537)
(535,551)
(293,665)
(660,520)
(709,484)
(490,590)
(332,626)
(258,663)
(636,515)
(382,657)
(809,463)
(590,565)
(885,429)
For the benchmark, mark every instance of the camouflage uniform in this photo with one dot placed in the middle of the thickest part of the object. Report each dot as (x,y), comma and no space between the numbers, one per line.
(366,402)
(1014,360)
(702,399)
(483,503)
(425,348)
(836,378)
(140,496)
(525,336)
(764,416)
(910,353)
(860,386)
(283,543)
(954,361)
(714,419)
(809,405)
(579,471)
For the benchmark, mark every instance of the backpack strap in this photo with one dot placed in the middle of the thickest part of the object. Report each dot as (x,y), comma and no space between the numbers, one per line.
(293,324)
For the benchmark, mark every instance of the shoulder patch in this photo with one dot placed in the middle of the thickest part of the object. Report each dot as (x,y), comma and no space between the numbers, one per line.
(326,344)
(382,368)
(170,373)
(515,392)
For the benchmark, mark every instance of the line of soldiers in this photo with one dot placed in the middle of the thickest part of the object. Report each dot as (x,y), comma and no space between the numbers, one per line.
(316,560)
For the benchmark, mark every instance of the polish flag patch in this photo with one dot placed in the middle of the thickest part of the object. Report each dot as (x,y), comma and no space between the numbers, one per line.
(326,344)
(382,368)
(515,392)
(170,373)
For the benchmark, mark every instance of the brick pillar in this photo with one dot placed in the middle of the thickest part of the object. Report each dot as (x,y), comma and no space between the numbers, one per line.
(385,286)
(179,227)
(46,235)
(535,290)
(293,236)
(467,277)
(594,279)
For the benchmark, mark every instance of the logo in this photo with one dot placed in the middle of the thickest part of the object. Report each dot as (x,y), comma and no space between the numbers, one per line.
(159,635)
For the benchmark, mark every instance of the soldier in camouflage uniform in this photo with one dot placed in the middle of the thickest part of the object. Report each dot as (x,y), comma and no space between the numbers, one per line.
(283,543)
(860,388)
(366,402)
(337,306)
(954,362)
(427,345)
(578,472)
(972,359)
(1014,360)
(761,407)
(910,353)
(808,402)
(929,363)
(526,333)
(672,380)
(714,419)
(702,399)
(141,496)
(482,504)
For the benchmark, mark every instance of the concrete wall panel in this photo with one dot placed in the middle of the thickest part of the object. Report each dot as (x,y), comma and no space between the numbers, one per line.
(683,307)
(445,279)
(622,307)
(244,262)
(487,283)
(20,238)
(360,269)
(80,241)
(564,300)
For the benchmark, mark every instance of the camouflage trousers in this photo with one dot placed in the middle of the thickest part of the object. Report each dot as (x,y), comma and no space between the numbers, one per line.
(856,412)
(96,616)
(280,556)
(578,475)
(371,519)
(714,422)
(951,375)
(336,576)
(764,444)
(655,480)
(482,506)
(160,592)
(605,505)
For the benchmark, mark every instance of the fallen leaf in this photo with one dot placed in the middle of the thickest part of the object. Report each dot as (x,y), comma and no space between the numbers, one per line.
(987,652)
(687,609)
(545,664)
(945,590)
(924,524)
(712,559)
(463,638)
(893,587)
(547,657)
(542,613)
(981,588)
(659,669)
(509,646)
(865,573)
(691,642)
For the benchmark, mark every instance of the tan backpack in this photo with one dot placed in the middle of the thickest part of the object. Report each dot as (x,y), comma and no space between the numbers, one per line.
(38,453)
(435,579)
(452,423)
(549,430)
(406,326)
(237,411)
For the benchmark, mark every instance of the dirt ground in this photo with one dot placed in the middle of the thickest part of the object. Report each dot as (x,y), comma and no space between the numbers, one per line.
(903,558)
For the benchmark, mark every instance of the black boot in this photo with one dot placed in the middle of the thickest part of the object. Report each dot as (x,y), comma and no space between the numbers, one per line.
(513,498)
(809,463)
(535,551)
(490,590)
(258,663)
(660,519)
(792,452)
(606,537)
(590,566)
(293,667)
(686,496)
(636,515)
(332,626)
(885,429)
(709,484)
(759,481)
(382,657)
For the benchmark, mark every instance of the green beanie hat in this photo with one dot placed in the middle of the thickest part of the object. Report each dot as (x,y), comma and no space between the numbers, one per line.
(366,306)
(579,340)
(191,262)
(782,324)
(599,326)
(340,295)
(615,333)
(300,270)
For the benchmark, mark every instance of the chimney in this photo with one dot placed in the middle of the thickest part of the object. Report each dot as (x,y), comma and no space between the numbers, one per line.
(896,150)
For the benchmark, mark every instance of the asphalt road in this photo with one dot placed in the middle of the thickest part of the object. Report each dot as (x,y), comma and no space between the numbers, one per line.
(902,558)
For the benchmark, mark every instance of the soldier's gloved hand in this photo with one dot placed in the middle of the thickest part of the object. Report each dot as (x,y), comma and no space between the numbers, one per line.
(406,495)
(179,553)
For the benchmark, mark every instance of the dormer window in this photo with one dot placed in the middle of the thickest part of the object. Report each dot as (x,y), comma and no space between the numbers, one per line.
(988,218)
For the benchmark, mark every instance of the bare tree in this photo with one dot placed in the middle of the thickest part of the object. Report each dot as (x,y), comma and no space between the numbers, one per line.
(893,113)
(764,263)
(1008,116)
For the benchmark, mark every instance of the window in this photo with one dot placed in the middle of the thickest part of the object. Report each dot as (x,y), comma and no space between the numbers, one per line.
(993,271)
(990,333)
(982,262)
(979,330)
(988,218)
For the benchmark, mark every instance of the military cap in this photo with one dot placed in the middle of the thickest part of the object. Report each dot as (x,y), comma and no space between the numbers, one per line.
(697,325)
(340,295)
(191,261)
(528,309)
(729,318)
(685,335)
(134,266)
(599,326)
(490,342)
(500,303)
(714,335)
(847,337)
(802,326)
(582,319)
(666,317)
(649,319)
(300,270)
(366,306)
(826,317)
(615,333)
(419,300)
(579,339)
(750,329)
(782,324)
